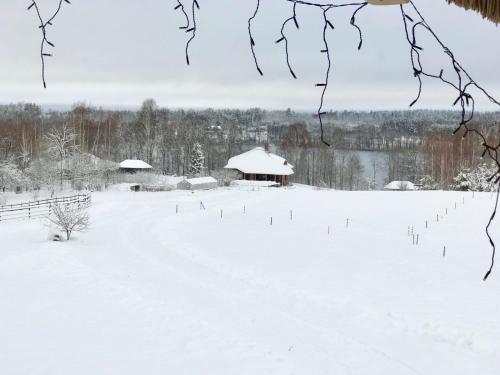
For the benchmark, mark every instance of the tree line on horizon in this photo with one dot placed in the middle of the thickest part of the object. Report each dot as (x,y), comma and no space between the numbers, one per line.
(403,145)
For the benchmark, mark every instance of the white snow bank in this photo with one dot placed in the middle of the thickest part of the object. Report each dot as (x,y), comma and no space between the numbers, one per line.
(160,285)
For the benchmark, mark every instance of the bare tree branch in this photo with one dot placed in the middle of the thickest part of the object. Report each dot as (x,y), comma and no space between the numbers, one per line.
(43,27)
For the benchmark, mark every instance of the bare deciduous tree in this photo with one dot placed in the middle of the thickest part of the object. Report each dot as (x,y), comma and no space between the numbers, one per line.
(69,218)
(61,144)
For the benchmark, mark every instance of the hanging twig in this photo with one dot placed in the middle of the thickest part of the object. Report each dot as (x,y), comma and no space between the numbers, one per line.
(285,39)
(464,98)
(353,23)
(326,51)
(252,40)
(180,7)
(192,29)
(43,27)
(492,243)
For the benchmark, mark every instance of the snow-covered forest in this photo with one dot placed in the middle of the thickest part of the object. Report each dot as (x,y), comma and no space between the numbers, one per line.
(41,147)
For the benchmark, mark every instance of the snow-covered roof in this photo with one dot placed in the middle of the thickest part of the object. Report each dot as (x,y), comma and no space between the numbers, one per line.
(400,185)
(201,180)
(259,161)
(134,164)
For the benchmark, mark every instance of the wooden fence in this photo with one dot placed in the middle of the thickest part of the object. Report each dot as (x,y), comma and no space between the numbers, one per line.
(41,208)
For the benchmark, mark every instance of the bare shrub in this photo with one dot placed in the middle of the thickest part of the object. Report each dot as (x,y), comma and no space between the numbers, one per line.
(69,218)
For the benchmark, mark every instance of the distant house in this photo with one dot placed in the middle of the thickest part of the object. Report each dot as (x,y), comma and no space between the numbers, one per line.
(198,183)
(134,166)
(400,186)
(261,165)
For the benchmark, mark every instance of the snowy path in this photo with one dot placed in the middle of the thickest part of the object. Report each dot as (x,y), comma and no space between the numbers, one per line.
(151,291)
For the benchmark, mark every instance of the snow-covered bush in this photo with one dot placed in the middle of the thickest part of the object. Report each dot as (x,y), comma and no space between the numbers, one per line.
(224,176)
(3,199)
(11,176)
(371,184)
(69,218)
(43,173)
(461,181)
(88,172)
(428,183)
(474,180)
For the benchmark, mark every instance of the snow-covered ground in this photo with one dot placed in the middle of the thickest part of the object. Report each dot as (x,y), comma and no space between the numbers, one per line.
(149,291)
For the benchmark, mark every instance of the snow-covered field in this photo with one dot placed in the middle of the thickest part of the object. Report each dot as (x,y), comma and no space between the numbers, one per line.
(149,291)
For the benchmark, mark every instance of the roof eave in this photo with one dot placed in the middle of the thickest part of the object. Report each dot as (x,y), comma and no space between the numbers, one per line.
(488,9)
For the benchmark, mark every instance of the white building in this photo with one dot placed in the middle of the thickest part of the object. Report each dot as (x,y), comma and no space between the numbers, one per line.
(261,165)
(133,166)
(198,183)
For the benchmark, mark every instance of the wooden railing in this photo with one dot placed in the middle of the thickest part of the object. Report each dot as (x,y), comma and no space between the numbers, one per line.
(41,208)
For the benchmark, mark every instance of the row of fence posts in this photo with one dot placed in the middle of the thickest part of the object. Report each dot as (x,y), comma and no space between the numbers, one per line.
(47,202)
(244,210)
(416,236)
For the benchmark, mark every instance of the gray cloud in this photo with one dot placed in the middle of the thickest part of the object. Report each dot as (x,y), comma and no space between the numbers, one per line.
(118,53)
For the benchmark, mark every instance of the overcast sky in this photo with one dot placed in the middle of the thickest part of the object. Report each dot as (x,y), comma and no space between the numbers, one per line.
(117,53)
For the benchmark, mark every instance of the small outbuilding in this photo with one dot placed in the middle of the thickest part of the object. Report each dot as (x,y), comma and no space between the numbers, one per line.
(261,165)
(134,166)
(198,183)
(400,186)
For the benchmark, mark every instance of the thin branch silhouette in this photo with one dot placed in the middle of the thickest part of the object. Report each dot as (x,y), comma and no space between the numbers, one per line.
(327,25)
(464,99)
(194,6)
(285,39)
(324,7)
(180,7)
(252,40)
(43,27)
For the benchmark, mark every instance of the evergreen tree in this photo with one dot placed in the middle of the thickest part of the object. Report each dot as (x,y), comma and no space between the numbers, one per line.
(197,160)
(476,179)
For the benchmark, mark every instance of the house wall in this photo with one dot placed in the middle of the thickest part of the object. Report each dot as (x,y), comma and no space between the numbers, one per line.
(282,180)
